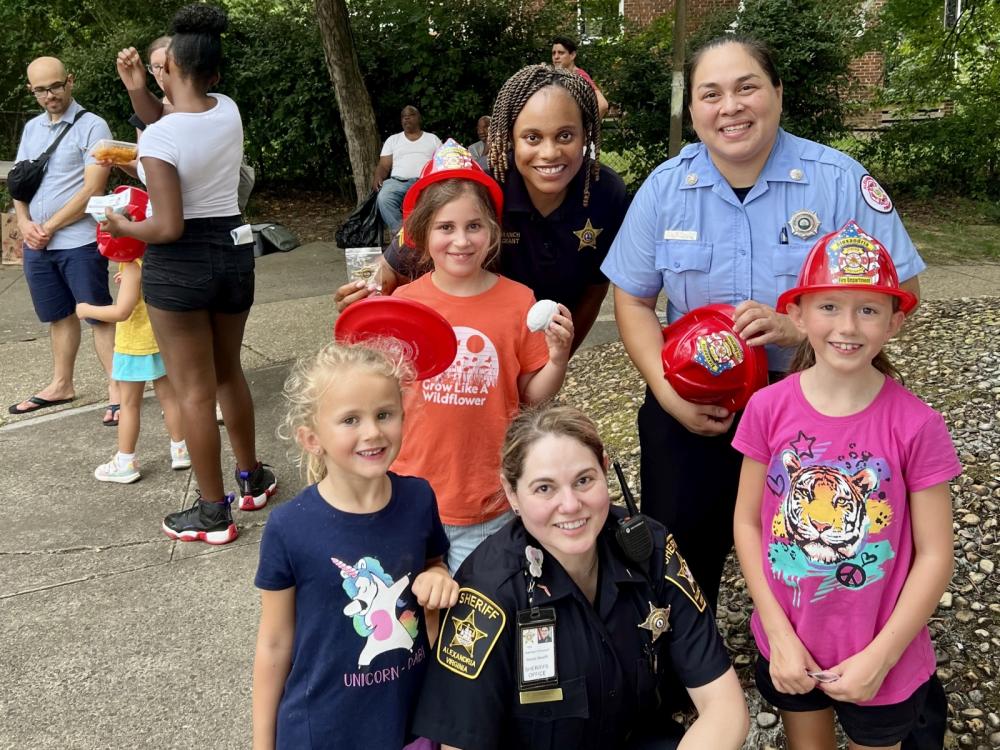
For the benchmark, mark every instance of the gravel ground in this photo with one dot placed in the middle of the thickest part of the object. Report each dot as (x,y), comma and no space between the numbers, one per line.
(949,354)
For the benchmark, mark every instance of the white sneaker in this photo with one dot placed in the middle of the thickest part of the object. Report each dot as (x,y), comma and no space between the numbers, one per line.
(112,472)
(180,458)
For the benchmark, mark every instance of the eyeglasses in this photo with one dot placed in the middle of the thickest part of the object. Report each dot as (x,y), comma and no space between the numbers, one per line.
(154,69)
(41,92)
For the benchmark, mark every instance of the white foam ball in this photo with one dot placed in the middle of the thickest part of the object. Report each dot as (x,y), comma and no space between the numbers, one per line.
(541,314)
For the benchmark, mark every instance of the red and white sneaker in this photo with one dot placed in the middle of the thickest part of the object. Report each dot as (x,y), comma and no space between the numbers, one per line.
(256,486)
(207,522)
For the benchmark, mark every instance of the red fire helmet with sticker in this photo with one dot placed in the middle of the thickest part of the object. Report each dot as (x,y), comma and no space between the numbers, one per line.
(452,161)
(849,258)
(125,249)
(707,362)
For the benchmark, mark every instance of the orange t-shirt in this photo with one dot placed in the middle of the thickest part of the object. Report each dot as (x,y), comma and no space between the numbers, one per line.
(455,422)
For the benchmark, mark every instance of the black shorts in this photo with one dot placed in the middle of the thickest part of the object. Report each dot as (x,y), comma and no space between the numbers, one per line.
(203,270)
(875,726)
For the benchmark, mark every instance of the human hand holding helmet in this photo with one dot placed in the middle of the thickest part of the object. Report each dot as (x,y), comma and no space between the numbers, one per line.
(761,324)
(708,364)
(115,238)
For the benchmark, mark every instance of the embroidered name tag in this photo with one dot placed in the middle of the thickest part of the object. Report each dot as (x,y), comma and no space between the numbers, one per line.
(680,234)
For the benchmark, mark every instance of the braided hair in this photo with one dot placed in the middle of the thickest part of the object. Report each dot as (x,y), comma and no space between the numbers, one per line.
(511,100)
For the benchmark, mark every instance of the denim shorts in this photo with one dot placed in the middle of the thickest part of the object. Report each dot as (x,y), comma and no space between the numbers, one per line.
(203,270)
(874,726)
(137,368)
(58,279)
(464,539)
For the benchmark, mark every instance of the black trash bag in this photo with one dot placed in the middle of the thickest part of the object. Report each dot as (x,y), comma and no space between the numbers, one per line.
(363,227)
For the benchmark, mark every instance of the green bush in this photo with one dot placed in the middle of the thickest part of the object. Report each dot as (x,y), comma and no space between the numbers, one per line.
(955,155)
(927,64)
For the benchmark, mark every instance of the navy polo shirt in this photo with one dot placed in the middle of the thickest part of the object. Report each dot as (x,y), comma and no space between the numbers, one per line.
(605,661)
(557,256)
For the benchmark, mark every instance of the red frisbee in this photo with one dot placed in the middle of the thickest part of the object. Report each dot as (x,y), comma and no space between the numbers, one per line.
(428,339)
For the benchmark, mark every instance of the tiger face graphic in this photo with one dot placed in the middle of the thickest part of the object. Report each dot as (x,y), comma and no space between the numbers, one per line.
(825,510)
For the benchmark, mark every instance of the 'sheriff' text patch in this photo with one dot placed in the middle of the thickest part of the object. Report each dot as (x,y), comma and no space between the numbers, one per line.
(676,571)
(471,629)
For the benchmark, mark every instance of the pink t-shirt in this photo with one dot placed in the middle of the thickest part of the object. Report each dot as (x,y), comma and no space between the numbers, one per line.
(835,517)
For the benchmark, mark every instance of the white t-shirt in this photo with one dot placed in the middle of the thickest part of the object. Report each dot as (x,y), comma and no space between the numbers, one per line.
(207,149)
(409,157)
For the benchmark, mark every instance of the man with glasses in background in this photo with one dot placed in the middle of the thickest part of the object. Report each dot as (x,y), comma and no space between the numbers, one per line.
(61,263)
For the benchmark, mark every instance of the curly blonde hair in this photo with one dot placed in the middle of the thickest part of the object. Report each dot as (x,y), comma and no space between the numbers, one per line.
(311,377)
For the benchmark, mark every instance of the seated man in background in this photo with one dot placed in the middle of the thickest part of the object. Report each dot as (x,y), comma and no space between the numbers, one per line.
(480,149)
(403,156)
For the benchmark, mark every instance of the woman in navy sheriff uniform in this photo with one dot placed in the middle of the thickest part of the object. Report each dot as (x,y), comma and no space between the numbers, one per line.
(728,220)
(560,639)
(562,208)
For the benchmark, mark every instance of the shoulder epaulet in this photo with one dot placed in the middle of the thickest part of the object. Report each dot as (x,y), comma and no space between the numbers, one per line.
(677,572)
(469,632)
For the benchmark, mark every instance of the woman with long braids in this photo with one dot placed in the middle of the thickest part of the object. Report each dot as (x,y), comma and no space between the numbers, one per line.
(198,276)
(562,208)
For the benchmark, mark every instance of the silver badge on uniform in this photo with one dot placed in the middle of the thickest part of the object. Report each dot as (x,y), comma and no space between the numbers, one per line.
(804,223)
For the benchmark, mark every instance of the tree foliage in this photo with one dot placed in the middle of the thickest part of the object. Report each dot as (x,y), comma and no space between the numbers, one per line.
(814,41)
(928,65)
(448,57)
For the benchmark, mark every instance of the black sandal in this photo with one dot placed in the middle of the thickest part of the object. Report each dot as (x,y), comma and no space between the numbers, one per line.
(112,420)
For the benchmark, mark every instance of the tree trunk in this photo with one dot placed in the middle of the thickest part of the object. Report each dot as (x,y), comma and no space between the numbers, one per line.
(352,97)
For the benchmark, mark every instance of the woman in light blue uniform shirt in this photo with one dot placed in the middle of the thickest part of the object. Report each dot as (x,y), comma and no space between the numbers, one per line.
(729,220)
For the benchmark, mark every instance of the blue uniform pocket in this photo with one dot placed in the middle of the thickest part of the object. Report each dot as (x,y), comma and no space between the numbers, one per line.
(685,269)
(787,262)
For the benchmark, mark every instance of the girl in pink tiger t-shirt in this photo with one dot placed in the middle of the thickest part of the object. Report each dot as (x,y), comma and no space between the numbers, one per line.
(843,517)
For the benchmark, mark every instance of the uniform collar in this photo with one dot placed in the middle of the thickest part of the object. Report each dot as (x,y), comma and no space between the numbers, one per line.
(783,165)
(556,581)
(68,116)
(516,198)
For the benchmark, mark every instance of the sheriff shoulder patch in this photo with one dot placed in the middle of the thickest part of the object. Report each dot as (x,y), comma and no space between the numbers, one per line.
(470,631)
(676,570)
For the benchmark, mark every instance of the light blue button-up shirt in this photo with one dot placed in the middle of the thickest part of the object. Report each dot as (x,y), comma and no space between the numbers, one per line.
(687,233)
(64,173)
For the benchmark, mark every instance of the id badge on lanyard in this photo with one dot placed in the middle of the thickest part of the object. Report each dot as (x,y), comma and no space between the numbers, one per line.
(537,672)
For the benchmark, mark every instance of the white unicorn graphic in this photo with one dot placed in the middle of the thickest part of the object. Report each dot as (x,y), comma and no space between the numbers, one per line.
(374,598)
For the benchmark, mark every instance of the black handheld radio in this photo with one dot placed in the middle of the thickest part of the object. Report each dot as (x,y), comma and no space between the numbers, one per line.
(633,533)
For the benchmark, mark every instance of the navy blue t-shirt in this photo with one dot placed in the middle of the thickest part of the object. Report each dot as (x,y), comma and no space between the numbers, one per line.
(360,649)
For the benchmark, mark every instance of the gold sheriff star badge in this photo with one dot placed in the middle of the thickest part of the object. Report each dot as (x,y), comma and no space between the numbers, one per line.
(587,235)
(657,621)
(467,634)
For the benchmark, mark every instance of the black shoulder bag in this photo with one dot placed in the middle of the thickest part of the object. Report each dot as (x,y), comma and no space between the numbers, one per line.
(26,176)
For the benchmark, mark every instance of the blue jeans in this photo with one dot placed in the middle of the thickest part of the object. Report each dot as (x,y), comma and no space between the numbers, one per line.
(464,539)
(390,202)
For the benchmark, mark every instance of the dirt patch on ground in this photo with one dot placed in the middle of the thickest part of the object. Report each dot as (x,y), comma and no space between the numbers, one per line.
(311,215)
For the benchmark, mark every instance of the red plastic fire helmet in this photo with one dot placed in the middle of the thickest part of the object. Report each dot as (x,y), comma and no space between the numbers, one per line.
(125,249)
(707,362)
(452,161)
(849,258)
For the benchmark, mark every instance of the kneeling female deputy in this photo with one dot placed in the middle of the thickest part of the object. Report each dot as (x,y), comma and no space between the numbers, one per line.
(560,639)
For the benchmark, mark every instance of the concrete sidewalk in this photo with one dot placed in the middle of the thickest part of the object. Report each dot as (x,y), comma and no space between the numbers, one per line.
(113,635)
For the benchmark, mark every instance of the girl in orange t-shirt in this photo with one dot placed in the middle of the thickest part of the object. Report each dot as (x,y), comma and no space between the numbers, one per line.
(456,421)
